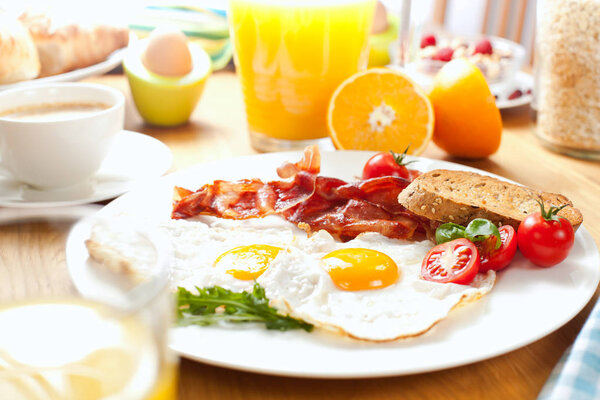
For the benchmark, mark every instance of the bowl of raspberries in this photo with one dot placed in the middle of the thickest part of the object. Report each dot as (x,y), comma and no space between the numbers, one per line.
(499,59)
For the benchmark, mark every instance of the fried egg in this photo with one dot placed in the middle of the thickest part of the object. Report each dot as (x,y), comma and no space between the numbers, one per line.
(367,288)
(227,253)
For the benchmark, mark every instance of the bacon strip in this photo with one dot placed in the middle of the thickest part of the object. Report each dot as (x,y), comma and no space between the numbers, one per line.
(313,202)
(310,162)
(246,198)
(353,208)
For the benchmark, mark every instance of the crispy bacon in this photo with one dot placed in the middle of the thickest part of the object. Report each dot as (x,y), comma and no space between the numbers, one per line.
(310,162)
(313,202)
(355,217)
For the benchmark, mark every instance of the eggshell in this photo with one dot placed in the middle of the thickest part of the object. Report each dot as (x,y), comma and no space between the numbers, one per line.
(168,53)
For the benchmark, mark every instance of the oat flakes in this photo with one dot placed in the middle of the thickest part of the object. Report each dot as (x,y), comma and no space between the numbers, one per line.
(568,73)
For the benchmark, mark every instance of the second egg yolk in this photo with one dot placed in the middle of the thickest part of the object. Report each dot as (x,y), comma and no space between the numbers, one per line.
(360,269)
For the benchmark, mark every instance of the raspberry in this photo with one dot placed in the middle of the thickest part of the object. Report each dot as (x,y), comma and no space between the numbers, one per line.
(428,40)
(515,95)
(444,54)
(484,46)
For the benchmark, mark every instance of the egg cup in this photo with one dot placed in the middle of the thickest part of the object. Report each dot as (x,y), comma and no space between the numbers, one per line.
(163,100)
(380,43)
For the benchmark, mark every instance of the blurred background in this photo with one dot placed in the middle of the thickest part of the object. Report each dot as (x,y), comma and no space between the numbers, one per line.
(513,19)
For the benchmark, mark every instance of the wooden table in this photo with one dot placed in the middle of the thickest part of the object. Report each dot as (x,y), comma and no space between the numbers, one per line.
(32,260)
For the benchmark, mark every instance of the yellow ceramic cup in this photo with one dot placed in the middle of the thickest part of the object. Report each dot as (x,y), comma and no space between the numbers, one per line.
(162,100)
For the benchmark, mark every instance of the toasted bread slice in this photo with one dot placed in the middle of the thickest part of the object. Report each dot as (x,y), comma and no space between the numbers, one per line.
(461,196)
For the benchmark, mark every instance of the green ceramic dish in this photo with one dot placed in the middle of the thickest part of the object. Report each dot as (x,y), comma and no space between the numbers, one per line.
(379,50)
(162,100)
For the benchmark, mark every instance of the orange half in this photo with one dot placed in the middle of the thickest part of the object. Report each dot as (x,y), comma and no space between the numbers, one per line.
(380,109)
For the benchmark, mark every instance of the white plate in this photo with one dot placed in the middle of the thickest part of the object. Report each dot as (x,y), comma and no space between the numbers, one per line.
(526,304)
(113,60)
(523,82)
(133,159)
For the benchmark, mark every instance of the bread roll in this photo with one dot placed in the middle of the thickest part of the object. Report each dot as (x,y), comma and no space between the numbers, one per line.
(18,56)
(63,47)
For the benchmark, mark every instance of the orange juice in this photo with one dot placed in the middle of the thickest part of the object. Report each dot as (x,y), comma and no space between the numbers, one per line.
(74,349)
(291,55)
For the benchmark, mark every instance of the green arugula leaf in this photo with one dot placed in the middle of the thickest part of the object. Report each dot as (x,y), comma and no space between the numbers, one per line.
(215,304)
(449,231)
(480,229)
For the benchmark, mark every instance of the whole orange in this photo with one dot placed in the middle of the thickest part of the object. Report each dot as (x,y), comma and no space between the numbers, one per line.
(467,121)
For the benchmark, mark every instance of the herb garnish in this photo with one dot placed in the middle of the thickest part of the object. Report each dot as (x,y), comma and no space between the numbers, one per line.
(478,230)
(215,304)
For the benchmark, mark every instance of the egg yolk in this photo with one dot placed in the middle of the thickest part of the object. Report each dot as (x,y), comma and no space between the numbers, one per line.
(247,262)
(360,269)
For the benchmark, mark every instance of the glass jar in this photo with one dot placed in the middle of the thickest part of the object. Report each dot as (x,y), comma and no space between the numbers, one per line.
(566,101)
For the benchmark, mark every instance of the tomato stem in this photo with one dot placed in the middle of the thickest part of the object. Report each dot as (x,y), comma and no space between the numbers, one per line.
(551,213)
(399,158)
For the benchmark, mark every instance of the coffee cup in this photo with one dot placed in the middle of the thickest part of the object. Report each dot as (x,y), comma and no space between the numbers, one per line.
(57,135)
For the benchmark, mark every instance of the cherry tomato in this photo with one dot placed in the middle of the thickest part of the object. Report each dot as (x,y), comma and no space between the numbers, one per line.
(498,259)
(545,238)
(456,261)
(387,164)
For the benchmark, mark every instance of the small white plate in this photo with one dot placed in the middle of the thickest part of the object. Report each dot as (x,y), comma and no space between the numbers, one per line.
(524,83)
(133,159)
(526,304)
(113,60)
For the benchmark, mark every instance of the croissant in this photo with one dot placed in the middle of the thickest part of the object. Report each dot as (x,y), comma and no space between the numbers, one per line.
(18,56)
(69,46)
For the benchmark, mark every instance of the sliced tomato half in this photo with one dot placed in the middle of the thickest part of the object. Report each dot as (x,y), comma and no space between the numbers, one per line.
(500,258)
(456,261)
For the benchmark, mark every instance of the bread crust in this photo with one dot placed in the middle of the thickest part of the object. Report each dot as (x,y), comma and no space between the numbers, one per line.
(461,196)
(65,47)
(18,56)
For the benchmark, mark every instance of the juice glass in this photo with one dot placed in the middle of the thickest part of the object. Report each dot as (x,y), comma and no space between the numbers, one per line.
(290,56)
(105,340)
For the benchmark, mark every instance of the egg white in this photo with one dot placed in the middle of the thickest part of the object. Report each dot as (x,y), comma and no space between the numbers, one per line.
(296,283)
(197,245)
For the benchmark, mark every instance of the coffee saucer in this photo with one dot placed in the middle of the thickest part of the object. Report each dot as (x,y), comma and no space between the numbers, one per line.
(133,159)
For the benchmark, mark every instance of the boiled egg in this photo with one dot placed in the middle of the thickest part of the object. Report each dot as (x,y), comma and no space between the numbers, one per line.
(167,53)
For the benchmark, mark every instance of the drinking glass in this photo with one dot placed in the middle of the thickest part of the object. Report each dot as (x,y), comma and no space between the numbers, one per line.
(290,56)
(82,331)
